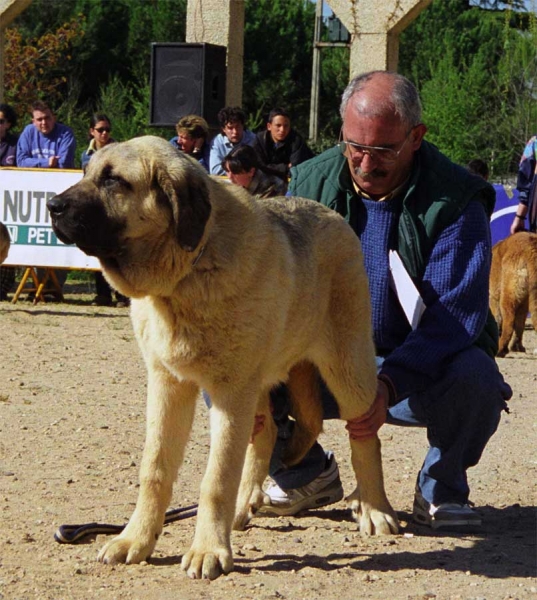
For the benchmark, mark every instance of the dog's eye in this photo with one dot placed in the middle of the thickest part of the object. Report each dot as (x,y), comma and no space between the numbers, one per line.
(109,179)
(113,180)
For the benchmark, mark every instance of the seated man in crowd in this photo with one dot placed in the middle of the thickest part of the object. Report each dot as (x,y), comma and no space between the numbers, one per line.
(192,138)
(280,147)
(45,143)
(232,121)
(242,168)
(398,192)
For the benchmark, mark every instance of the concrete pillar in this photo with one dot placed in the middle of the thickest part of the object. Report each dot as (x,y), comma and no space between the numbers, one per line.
(9,9)
(375,27)
(221,22)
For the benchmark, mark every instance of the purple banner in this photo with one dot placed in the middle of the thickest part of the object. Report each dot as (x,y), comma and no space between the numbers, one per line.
(504,212)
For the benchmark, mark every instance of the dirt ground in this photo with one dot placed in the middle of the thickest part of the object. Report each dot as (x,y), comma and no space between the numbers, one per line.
(72,403)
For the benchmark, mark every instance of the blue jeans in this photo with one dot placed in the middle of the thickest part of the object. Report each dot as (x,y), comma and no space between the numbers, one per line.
(461,411)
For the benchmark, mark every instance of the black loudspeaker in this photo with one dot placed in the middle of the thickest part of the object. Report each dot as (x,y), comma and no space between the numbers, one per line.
(187,79)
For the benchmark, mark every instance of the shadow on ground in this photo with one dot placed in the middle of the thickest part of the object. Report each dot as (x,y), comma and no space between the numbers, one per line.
(506,548)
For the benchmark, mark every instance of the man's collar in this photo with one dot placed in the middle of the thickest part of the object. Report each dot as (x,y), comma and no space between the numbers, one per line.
(396,192)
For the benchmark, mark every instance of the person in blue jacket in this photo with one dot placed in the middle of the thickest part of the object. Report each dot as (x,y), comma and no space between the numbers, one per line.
(45,143)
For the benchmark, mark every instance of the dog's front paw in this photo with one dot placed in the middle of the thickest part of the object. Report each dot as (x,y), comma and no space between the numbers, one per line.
(374,520)
(125,550)
(200,564)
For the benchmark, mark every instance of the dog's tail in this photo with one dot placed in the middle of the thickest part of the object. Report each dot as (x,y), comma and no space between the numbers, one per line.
(307,410)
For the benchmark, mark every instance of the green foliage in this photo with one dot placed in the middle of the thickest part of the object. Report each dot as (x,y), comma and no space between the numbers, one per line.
(278,42)
(34,66)
(116,38)
(334,79)
(477,73)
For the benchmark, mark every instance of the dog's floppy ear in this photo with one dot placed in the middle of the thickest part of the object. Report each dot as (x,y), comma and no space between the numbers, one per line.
(187,191)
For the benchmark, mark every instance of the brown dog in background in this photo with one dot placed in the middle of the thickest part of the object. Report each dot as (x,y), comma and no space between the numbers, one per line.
(513,288)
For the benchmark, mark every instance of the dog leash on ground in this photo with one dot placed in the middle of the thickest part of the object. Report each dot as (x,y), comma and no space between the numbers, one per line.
(71,534)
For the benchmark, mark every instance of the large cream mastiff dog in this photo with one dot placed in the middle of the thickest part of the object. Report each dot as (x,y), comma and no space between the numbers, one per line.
(230,295)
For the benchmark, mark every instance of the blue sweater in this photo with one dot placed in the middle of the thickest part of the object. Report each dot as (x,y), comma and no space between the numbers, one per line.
(454,288)
(451,271)
(34,149)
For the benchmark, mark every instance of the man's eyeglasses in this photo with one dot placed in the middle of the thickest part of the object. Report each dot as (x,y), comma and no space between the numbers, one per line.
(103,129)
(387,156)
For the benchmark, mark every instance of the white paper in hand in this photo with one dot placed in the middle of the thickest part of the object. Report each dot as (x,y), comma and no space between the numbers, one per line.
(409,297)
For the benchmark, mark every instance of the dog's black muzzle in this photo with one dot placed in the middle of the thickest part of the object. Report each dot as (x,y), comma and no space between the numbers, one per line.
(82,220)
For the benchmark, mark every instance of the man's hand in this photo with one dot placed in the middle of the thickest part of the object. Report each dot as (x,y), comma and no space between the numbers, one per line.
(53,162)
(517,225)
(367,425)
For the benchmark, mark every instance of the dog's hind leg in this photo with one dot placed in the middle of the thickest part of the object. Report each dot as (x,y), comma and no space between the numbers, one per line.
(170,411)
(507,310)
(532,297)
(256,466)
(520,323)
(306,409)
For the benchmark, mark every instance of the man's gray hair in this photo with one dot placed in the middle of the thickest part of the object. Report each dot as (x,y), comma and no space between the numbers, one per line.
(404,100)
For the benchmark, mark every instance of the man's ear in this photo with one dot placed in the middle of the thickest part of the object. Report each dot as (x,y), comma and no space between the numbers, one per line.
(418,133)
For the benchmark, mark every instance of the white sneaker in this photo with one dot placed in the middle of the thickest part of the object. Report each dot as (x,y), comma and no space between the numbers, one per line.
(447,516)
(322,491)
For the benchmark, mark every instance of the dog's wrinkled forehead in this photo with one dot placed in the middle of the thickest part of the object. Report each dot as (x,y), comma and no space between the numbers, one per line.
(135,162)
(117,164)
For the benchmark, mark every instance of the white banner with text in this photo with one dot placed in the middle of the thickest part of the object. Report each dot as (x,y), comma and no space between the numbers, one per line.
(23,210)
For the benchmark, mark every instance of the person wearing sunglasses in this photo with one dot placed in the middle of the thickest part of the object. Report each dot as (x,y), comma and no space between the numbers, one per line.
(46,143)
(8,140)
(399,193)
(99,136)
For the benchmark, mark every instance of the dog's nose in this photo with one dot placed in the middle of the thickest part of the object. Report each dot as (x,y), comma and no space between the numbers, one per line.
(56,205)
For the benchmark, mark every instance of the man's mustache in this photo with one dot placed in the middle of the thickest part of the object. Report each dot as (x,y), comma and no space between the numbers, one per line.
(367,175)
